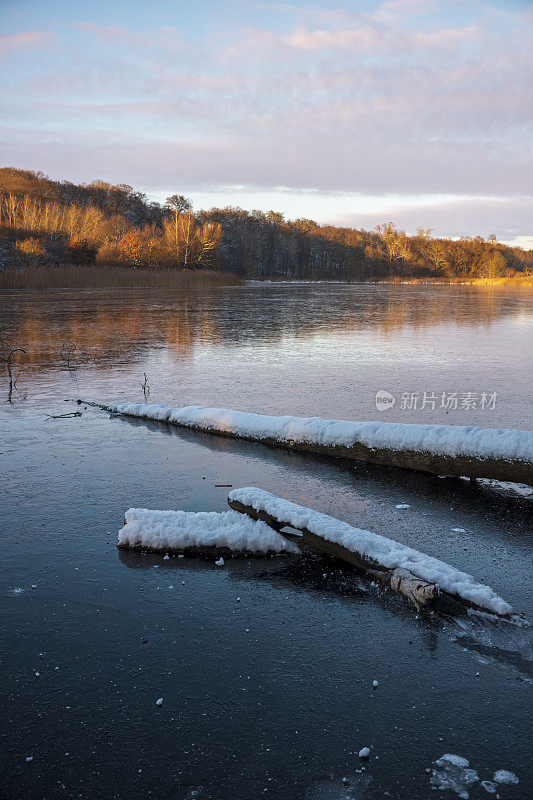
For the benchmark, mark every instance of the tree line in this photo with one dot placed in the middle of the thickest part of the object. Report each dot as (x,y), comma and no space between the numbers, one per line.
(55,222)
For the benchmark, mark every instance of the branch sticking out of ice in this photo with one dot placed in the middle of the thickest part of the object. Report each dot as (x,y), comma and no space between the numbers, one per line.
(186,530)
(381,551)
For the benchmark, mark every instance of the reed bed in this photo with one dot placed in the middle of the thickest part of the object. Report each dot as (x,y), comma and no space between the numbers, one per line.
(510,280)
(514,280)
(96,277)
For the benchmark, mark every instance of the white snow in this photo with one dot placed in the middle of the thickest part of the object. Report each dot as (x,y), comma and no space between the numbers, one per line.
(504,776)
(489,786)
(179,530)
(454,774)
(379,549)
(437,439)
(403,505)
(459,761)
(364,752)
(459,530)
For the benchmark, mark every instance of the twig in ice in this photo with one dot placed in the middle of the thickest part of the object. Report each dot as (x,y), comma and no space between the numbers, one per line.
(15,350)
(145,387)
(64,416)
(67,349)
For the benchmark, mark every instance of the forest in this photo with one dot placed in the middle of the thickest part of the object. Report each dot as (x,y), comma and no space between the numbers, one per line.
(47,223)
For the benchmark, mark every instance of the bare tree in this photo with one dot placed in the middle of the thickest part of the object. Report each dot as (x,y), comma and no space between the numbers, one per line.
(395,246)
(437,255)
(178,204)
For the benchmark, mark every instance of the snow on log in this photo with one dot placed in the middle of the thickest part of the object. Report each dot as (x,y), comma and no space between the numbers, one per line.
(384,558)
(440,449)
(204,531)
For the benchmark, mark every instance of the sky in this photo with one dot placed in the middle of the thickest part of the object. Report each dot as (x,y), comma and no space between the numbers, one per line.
(351,113)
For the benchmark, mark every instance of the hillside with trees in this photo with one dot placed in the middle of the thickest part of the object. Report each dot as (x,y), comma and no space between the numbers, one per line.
(50,223)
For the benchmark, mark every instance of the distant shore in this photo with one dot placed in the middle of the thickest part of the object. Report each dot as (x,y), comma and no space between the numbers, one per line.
(96,277)
(514,280)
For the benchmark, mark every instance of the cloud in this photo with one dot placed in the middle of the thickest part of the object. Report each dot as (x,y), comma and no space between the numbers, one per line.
(167,37)
(221,157)
(373,38)
(503,216)
(18,41)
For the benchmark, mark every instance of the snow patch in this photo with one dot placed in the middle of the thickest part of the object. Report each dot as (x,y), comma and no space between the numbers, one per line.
(504,776)
(379,549)
(454,773)
(179,530)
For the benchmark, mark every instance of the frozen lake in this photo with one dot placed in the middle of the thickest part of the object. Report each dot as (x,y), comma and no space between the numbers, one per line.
(265,666)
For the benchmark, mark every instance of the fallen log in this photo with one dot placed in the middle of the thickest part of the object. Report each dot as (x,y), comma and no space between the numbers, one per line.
(505,455)
(421,593)
(421,578)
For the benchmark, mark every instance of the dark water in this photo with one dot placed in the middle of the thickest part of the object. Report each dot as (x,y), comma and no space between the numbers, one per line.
(270,695)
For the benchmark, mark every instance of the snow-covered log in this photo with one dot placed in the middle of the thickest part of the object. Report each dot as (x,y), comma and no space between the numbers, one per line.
(414,574)
(441,449)
(226,533)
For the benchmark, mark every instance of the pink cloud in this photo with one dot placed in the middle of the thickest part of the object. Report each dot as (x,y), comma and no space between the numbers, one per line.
(165,37)
(376,39)
(17,41)
(506,217)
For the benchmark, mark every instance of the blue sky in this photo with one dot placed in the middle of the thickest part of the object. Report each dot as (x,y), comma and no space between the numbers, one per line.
(418,111)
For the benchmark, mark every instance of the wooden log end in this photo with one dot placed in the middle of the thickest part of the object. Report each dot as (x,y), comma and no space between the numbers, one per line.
(421,593)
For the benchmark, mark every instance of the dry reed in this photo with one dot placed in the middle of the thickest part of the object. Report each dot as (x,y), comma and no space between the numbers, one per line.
(96,277)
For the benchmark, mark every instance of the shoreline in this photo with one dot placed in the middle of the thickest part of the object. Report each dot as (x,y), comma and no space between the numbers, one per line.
(111,277)
(101,277)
